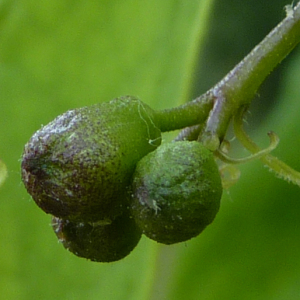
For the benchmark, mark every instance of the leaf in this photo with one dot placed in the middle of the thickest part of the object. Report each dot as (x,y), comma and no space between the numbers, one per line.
(3,172)
(64,54)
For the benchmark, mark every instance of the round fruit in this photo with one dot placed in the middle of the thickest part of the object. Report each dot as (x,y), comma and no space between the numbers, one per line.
(176,192)
(98,242)
(78,166)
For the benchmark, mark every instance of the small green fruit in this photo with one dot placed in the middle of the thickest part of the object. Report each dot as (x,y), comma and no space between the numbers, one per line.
(176,192)
(78,167)
(98,242)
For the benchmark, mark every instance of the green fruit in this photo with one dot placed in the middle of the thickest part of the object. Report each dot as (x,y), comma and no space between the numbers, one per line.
(98,242)
(78,167)
(176,192)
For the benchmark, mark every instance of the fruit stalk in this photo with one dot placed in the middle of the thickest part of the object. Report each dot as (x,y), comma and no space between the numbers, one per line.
(238,87)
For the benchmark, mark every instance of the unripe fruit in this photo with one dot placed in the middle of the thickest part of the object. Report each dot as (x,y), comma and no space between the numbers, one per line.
(78,166)
(176,192)
(96,241)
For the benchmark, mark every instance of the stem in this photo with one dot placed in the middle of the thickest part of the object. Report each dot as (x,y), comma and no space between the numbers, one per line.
(238,87)
(274,140)
(280,168)
(189,133)
(188,114)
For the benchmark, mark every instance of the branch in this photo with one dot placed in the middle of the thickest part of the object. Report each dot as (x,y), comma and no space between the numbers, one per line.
(240,85)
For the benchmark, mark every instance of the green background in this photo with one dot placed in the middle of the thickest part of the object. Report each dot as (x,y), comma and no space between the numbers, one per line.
(57,55)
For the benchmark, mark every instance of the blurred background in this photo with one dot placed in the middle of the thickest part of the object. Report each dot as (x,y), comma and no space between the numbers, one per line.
(60,54)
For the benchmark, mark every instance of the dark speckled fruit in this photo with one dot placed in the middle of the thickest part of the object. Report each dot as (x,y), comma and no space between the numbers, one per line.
(78,166)
(98,242)
(176,192)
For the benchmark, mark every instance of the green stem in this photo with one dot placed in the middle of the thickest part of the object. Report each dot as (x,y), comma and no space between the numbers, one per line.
(189,133)
(188,114)
(259,154)
(238,87)
(280,168)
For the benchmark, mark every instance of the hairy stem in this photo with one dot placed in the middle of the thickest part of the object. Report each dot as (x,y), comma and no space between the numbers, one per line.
(238,87)
(281,169)
(274,140)
(188,114)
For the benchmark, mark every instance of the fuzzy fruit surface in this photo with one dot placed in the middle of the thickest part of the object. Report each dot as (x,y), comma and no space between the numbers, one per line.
(98,242)
(176,192)
(78,166)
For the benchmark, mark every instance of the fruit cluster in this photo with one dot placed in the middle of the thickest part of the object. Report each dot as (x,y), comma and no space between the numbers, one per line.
(103,175)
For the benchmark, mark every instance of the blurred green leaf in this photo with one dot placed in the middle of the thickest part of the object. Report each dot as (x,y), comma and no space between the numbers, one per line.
(59,55)
(3,172)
